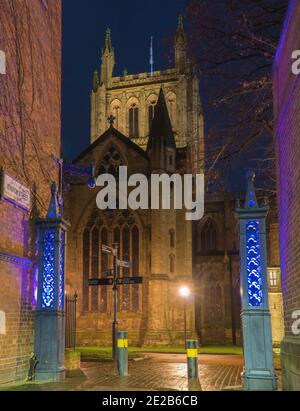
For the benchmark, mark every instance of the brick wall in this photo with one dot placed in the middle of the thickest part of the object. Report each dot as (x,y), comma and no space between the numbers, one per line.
(287,123)
(287,108)
(29,134)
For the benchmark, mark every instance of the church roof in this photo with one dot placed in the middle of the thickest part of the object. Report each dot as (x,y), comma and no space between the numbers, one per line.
(161,124)
(111,131)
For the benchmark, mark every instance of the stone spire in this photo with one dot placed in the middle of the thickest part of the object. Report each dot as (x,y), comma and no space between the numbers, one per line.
(161,146)
(108,60)
(108,45)
(180,45)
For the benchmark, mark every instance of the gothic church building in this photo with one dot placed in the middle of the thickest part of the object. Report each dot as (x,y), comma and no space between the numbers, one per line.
(158,128)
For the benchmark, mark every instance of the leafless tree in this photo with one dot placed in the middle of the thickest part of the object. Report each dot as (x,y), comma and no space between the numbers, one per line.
(234,43)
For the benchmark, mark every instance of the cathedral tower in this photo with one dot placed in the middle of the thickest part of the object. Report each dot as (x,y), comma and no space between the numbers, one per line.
(132,98)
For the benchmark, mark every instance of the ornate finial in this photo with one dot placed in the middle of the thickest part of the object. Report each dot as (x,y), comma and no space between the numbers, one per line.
(251,200)
(111,120)
(53,210)
(180,38)
(108,39)
(125,72)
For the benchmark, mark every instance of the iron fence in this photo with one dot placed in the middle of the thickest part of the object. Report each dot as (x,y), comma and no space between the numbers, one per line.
(70,321)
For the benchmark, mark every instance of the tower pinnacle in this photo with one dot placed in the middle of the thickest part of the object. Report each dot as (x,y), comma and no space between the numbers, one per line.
(108,60)
(108,45)
(180,45)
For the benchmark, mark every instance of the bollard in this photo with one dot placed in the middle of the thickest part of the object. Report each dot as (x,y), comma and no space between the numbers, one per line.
(192,358)
(122,353)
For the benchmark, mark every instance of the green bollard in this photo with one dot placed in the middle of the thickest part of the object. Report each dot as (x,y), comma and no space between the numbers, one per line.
(192,358)
(122,353)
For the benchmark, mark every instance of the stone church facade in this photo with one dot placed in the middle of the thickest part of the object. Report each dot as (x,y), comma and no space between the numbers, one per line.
(158,127)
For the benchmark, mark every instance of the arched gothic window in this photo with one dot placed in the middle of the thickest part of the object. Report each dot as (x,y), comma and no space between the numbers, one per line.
(133,121)
(151,112)
(124,231)
(208,236)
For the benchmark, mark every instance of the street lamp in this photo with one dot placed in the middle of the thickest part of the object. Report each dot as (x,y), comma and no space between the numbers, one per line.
(184,291)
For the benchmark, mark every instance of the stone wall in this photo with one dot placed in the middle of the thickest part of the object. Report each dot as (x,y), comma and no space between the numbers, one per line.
(287,123)
(29,134)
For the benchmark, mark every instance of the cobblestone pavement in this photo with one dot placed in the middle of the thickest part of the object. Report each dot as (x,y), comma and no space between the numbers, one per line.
(147,375)
(159,372)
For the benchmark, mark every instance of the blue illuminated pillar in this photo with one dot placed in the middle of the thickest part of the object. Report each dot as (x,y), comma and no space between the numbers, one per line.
(49,322)
(259,373)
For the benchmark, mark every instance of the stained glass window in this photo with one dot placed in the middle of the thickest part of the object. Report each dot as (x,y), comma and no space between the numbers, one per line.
(254,277)
(48,267)
(125,233)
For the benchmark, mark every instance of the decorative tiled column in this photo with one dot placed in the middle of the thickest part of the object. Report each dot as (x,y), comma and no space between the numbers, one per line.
(49,325)
(259,371)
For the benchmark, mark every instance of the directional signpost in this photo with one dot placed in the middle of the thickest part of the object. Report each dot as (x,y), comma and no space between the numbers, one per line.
(115,281)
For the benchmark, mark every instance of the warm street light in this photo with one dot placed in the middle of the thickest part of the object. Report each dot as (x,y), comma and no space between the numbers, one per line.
(184,291)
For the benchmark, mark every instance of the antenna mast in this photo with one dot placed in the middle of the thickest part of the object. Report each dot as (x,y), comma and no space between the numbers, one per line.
(151,57)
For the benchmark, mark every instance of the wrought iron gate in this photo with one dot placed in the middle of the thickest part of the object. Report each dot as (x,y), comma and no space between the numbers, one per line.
(70,321)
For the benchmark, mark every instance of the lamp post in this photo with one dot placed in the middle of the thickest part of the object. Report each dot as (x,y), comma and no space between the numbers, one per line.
(184,291)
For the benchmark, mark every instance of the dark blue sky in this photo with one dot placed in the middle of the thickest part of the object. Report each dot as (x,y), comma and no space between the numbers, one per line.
(84,23)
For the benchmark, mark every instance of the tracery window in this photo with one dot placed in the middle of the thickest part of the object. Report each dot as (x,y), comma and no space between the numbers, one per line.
(123,229)
(110,162)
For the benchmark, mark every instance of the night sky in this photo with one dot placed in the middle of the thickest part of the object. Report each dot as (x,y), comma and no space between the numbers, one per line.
(84,24)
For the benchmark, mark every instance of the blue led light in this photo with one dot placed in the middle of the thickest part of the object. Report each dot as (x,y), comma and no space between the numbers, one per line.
(48,265)
(254,277)
(61,270)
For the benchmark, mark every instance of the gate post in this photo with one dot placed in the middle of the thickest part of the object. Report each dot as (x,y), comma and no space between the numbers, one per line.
(49,323)
(259,373)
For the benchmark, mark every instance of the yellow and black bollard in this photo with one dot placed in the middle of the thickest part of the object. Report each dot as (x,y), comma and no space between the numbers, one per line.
(192,358)
(122,353)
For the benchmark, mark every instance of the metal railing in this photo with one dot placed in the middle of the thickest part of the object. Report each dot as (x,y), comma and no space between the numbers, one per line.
(70,321)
